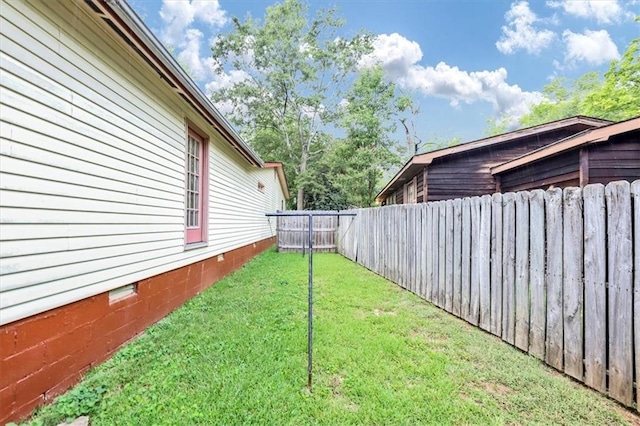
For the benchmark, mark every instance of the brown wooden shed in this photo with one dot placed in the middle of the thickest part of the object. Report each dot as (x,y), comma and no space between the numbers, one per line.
(465,170)
(599,155)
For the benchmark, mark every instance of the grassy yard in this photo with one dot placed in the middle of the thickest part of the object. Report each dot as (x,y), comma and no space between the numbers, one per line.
(237,355)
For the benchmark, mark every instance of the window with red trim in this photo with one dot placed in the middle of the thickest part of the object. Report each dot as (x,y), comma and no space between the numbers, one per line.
(196,196)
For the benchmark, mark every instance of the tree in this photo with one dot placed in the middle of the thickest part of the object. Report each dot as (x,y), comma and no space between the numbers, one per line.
(294,73)
(618,98)
(360,160)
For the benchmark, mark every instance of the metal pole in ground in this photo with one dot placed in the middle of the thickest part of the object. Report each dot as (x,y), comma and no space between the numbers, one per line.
(310,215)
(310,313)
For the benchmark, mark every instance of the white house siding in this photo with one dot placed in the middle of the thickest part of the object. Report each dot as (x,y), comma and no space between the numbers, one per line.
(92,165)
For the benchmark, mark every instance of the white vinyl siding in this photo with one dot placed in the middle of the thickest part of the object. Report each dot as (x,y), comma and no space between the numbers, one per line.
(92,158)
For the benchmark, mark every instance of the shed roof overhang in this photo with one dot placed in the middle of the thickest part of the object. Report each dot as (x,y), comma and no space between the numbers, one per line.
(593,136)
(417,162)
(124,21)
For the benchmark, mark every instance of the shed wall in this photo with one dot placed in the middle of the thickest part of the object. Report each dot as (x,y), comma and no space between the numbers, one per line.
(560,171)
(468,174)
(618,159)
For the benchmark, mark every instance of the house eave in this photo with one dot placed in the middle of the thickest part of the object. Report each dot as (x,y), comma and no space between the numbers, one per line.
(129,25)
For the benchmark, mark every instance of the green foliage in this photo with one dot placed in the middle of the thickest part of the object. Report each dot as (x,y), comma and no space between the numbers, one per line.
(83,400)
(360,160)
(618,98)
(296,70)
(236,354)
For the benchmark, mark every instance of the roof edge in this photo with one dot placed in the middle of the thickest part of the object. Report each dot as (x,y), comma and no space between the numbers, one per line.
(596,135)
(127,17)
(281,176)
(427,157)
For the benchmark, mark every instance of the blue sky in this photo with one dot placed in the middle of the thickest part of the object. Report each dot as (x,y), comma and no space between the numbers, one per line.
(464,61)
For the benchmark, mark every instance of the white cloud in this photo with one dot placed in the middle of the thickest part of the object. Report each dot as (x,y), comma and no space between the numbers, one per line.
(181,35)
(460,86)
(223,81)
(394,53)
(399,57)
(179,15)
(199,67)
(520,32)
(593,47)
(226,80)
(603,11)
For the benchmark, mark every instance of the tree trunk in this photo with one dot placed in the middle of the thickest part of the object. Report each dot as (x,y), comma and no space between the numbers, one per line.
(303,169)
(300,199)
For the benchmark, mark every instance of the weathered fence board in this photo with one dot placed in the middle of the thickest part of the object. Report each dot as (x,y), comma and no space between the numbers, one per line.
(522,271)
(484,262)
(423,250)
(508,267)
(572,286)
(474,308)
(430,251)
(448,280)
(553,278)
(620,291)
(457,255)
(436,251)
(635,191)
(537,290)
(555,273)
(442,269)
(465,273)
(496,264)
(293,231)
(595,292)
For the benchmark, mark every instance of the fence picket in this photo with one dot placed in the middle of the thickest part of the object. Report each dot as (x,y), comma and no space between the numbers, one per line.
(522,271)
(553,278)
(618,197)
(441,249)
(474,308)
(449,255)
(430,254)
(635,192)
(457,255)
(572,282)
(484,265)
(536,274)
(423,249)
(595,293)
(508,267)
(496,264)
(465,273)
(436,253)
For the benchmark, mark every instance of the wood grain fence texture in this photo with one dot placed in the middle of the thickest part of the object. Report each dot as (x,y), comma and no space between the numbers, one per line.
(293,233)
(555,273)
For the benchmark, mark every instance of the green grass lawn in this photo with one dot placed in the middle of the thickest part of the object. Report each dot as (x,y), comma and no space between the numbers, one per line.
(236,354)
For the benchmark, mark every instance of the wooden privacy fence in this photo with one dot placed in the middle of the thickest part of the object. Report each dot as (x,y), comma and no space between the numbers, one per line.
(555,273)
(293,233)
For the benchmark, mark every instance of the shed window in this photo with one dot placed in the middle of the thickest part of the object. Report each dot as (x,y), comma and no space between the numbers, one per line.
(196,196)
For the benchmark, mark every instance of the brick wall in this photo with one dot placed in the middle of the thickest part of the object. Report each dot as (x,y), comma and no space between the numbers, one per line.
(42,356)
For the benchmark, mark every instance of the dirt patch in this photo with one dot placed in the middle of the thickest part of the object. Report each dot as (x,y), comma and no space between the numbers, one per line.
(336,381)
(628,416)
(379,312)
(497,389)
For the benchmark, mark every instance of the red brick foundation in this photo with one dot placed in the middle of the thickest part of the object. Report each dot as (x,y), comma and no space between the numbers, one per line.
(43,355)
